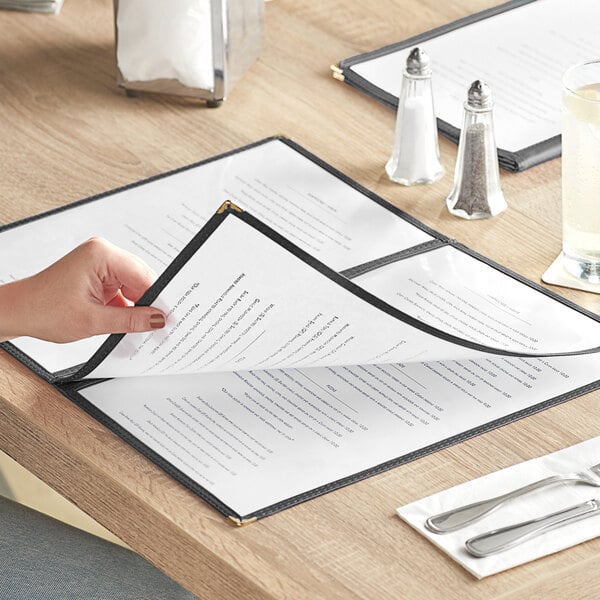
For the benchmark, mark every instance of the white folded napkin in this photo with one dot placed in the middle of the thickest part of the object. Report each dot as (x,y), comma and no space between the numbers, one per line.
(529,506)
(166,40)
(556,274)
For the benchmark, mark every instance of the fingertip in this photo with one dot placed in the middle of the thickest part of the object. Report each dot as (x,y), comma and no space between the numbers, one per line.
(134,319)
(157,320)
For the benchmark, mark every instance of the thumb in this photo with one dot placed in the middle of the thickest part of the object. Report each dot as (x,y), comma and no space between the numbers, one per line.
(131,319)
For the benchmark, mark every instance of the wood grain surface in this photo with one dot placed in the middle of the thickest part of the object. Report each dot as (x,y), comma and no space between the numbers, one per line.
(67,132)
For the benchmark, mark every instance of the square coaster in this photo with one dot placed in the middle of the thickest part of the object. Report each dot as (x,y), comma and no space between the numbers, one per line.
(556,274)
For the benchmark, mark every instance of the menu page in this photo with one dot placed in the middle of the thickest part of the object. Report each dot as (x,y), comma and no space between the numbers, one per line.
(243,301)
(255,438)
(462,295)
(521,53)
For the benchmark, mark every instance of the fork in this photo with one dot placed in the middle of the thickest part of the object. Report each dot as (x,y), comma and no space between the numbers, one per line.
(461,516)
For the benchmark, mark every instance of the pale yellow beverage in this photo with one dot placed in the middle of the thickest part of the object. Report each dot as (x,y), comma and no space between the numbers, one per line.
(581,179)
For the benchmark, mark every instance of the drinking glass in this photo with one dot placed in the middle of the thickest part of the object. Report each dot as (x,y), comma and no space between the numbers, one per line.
(581,171)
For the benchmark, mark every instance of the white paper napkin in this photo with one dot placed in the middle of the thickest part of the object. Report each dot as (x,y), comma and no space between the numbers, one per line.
(166,40)
(556,274)
(529,506)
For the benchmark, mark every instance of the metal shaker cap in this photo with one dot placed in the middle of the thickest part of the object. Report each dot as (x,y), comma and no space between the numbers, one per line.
(418,62)
(480,95)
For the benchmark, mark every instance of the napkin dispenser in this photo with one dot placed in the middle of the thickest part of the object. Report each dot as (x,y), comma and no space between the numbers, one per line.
(192,48)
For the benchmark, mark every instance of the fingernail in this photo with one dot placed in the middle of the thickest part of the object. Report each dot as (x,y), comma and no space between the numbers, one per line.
(157,321)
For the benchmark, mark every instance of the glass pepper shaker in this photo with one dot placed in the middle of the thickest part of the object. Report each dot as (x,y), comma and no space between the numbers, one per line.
(416,154)
(476,193)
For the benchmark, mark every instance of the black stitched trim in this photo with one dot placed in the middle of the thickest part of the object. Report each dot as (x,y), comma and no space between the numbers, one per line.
(373,265)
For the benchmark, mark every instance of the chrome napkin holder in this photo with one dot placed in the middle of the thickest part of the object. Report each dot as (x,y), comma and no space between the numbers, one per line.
(236,28)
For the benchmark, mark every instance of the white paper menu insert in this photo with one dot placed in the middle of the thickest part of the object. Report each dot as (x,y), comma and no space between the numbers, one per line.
(521,53)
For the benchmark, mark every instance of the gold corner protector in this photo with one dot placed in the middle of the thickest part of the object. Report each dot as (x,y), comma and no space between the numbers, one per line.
(228,205)
(242,522)
(337,73)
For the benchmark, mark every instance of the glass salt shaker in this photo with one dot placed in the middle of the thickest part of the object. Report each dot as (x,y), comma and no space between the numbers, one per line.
(416,154)
(476,193)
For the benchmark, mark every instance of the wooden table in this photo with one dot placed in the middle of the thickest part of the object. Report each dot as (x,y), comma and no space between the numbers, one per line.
(67,132)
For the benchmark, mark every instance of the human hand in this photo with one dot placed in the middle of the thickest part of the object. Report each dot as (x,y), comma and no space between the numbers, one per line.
(89,291)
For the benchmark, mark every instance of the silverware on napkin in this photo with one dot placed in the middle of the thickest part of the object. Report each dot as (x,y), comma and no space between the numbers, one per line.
(498,540)
(456,518)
